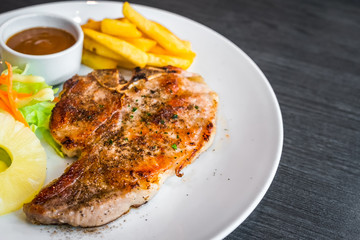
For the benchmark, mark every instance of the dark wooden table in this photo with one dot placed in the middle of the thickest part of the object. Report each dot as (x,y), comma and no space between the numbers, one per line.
(310,52)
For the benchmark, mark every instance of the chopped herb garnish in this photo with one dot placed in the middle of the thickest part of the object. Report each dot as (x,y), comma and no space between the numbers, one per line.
(131,116)
(149,114)
(177,136)
(128,105)
(175,116)
(134,109)
(110,142)
(126,139)
(197,107)
(162,121)
(137,100)
(165,132)
(101,106)
(174,146)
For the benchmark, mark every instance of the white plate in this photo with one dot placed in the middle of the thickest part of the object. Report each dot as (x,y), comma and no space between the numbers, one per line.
(226,183)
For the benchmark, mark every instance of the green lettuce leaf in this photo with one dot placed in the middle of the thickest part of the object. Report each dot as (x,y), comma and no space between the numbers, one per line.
(38,115)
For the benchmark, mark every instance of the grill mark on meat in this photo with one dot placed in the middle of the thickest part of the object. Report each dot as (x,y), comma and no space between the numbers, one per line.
(207,133)
(164,115)
(67,142)
(154,129)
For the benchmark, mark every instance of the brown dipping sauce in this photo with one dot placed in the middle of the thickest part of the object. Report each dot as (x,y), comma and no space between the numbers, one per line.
(41,41)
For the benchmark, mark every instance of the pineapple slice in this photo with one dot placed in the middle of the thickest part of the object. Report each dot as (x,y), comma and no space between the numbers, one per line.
(23,174)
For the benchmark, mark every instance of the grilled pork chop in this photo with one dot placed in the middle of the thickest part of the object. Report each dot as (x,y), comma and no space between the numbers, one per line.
(129,137)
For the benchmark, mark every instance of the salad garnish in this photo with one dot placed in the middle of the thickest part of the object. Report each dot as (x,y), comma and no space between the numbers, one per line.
(29,100)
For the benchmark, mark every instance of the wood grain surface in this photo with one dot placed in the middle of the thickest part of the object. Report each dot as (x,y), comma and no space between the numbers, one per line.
(310,52)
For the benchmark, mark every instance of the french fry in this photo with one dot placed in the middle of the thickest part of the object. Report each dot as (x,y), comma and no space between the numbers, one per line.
(119,28)
(128,51)
(99,49)
(123,20)
(92,24)
(186,43)
(144,44)
(157,60)
(164,38)
(157,49)
(96,61)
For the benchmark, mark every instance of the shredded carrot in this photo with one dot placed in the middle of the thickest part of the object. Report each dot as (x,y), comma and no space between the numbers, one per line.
(22,95)
(4,105)
(8,98)
(5,99)
(16,94)
(56,99)
(2,79)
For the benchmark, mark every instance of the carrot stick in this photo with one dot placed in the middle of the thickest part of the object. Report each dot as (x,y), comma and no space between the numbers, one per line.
(17,114)
(16,94)
(2,79)
(4,99)
(4,106)
(22,95)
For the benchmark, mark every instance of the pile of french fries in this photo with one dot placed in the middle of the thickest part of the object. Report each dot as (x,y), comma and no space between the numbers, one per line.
(133,41)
